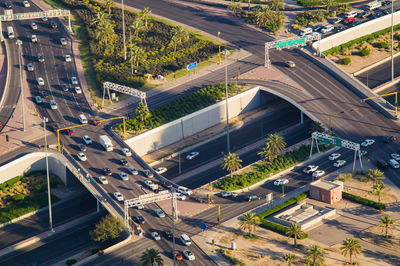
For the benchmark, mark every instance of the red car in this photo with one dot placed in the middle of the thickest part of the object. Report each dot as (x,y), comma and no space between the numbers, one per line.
(178,255)
(70,132)
(349,20)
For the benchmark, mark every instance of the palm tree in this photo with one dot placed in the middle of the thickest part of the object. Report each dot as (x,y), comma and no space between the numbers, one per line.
(295,232)
(108,4)
(378,190)
(138,55)
(262,16)
(105,32)
(249,222)
(142,111)
(144,14)
(99,19)
(234,6)
(180,35)
(151,257)
(316,127)
(274,144)
(352,247)
(289,258)
(315,255)
(374,175)
(137,27)
(276,5)
(387,223)
(328,4)
(231,163)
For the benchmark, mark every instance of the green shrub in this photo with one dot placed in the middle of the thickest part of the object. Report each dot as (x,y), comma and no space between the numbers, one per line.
(279,207)
(10,183)
(71,261)
(365,52)
(363,201)
(346,61)
(344,177)
(383,45)
(39,188)
(227,254)
(18,197)
(278,228)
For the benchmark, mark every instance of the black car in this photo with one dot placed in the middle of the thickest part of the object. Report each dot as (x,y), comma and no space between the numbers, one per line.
(139,219)
(168,234)
(82,147)
(107,171)
(318,27)
(64,87)
(339,28)
(8,5)
(381,164)
(44,93)
(54,25)
(389,139)
(123,161)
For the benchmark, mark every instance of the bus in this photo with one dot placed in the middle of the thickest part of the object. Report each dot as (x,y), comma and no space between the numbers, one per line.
(10,32)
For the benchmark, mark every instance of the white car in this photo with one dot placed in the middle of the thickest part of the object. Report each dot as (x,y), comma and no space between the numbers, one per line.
(311,168)
(40,81)
(334,156)
(123,176)
(63,41)
(30,67)
(189,255)
(184,191)
(53,104)
(68,58)
(192,155)
(280,182)
(339,163)
(133,170)
(226,194)
(393,163)
(140,206)
(82,156)
(149,183)
(118,196)
(318,173)
(103,180)
(156,235)
(26,4)
(74,80)
(87,140)
(327,28)
(44,18)
(161,170)
(395,156)
(126,151)
(180,196)
(148,173)
(33,26)
(78,90)
(34,38)
(367,142)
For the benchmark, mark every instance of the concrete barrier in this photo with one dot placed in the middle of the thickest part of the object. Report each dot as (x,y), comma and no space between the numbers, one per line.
(8,66)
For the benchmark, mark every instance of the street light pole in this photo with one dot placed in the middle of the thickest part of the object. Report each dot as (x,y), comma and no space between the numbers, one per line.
(48,176)
(173,225)
(19,42)
(392,44)
(123,27)
(226,103)
(219,48)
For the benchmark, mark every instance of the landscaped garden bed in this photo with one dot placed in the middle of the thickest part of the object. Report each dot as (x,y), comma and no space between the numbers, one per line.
(25,194)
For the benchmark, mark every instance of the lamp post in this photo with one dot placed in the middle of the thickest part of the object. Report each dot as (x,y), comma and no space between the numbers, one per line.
(226,52)
(123,27)
(219,48)
(19,43)
(47,174)
(392,44)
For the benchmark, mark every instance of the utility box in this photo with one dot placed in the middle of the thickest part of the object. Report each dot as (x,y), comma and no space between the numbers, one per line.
(233,245)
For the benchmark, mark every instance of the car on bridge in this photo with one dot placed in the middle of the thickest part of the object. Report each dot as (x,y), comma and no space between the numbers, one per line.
(192,155)
(81,156)
(103,180)
(334,156)
(367,142)
(280,182)
(318,173)
(118,196)
(161,170)
(311,168)
(339,163)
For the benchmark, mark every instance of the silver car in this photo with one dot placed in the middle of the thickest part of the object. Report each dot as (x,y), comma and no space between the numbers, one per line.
(30,67)
(40,81)
(74,81)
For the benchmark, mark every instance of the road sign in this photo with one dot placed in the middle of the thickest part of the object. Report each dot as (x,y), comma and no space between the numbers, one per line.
(291,42)
(337,142)
(191,66)
(203,226)
(324,140)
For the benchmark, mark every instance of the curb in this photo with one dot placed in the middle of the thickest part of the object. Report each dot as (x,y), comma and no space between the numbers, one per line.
(44,235)
(8,71)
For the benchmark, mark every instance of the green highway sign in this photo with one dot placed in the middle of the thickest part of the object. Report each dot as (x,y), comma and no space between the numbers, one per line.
(324,140)
(291,42)
(337,142)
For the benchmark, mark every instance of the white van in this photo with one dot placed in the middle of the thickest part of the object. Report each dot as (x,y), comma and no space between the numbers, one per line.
(373,5)
(83,119)
(186,240)
(306,31)
(351,14)
(10,32)
(184,191)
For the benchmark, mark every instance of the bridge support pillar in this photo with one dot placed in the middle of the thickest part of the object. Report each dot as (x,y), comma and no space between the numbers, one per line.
(98,206)
(301,117)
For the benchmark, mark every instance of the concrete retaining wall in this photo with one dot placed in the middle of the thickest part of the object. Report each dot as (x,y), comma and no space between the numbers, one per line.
(193,123)
(32,162)
(356,32)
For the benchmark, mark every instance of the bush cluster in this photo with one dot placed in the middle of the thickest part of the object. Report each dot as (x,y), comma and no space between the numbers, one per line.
(304,19)
(18,197)
(383,45)
(278,228)
(318,2)
(108,60)
(227,254)
(365,52)
(363,201)
(10,183)
(366,38)
(179,107)
(263,170)
(346,61)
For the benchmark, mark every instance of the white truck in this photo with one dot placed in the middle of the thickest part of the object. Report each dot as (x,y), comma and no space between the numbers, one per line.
(373,5)
(150,184)
(105,141)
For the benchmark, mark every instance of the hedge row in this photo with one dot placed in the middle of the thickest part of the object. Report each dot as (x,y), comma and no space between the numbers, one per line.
(319,2)
(10,183)
(29,204)
(363,201)
(278,228)
(180,107)
(366,38)
(263,170)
